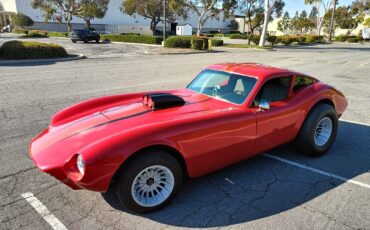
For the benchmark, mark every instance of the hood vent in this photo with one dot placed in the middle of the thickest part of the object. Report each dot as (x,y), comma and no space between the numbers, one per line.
(162,101)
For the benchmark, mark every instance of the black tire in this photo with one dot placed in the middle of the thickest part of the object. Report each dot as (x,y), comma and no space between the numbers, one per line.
(74,41)
(97,40)
(305,140)
(133,169)
(86,40)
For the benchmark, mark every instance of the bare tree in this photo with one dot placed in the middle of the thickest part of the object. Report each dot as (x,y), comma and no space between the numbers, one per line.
(320,4)
(66,8)
(206,9)
(269,7)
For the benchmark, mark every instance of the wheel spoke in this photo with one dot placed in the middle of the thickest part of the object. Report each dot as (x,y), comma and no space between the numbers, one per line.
(152,186)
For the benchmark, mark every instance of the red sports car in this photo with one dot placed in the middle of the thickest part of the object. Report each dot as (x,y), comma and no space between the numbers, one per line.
(144,144)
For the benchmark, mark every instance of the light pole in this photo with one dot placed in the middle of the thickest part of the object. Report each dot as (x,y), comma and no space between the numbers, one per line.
(164,20)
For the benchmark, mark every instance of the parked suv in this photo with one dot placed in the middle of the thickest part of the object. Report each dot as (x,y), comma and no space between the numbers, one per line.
(85,35)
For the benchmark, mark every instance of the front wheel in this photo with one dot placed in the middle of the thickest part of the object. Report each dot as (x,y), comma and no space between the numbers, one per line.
(149,182)
(318,131)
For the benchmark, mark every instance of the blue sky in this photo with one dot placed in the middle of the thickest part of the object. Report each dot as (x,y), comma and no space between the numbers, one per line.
(293,5)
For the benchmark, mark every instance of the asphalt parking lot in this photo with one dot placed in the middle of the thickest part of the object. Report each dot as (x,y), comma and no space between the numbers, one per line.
(281,189)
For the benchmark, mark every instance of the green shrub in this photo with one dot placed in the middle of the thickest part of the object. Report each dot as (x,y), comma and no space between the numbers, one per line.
(271,39)
(20,31)
(236,36)
(178,42)
(299,38)
(219,35)
(255,39)
(286,40)
(235,32)
(146,39)
(22,20)
(35,34)
(130,34)
(352,40)
(58,34)
(208,35)
(30,50)
(341,38)
(197,43)
(217,42)
(360,38)
(314,38)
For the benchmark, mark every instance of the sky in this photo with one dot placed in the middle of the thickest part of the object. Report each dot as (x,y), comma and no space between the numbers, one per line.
(293,5)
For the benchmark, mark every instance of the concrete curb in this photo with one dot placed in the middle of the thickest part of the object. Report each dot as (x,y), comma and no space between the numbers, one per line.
(30,61)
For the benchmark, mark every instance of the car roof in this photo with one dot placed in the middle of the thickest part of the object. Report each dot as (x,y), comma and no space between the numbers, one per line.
(259,71)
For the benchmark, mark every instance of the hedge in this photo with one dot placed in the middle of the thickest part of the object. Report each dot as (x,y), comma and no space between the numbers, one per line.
(217,42)
(236,36)
(271,39)
(36,34)
(197,44)
(255,39)
(146,39)
(20,31)
(58,34)
(30,50)
(352,40)
(178,42)
(314,38)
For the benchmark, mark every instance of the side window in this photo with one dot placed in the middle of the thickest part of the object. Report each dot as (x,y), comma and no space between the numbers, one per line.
(276,89)
(301,82)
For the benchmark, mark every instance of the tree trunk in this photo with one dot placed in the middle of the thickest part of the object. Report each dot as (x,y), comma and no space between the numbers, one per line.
(332,21)
(200,23)
(69,25)
(153,26)
(250,30)
(88,23)
(265,24)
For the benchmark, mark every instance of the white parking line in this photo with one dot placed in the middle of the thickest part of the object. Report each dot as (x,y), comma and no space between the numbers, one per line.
(317,170)
(355,122)
(43,211)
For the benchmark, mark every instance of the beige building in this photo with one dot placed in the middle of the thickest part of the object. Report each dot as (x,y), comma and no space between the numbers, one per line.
(273,28)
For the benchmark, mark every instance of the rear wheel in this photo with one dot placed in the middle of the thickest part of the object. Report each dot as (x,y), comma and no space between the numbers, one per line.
(74,41)
(149,182)
(318,131)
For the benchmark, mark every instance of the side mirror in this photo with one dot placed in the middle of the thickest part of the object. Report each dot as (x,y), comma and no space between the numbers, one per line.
(264,105)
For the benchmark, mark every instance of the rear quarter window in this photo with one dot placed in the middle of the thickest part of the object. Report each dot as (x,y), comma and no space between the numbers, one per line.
(302,82)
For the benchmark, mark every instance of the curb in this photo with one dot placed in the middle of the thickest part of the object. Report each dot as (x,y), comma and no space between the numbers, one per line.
(30,61)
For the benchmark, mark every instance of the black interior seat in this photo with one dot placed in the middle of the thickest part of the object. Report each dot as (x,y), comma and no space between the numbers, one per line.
(274,90)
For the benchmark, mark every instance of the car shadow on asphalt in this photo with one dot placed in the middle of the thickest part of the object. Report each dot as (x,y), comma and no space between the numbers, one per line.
(261,187)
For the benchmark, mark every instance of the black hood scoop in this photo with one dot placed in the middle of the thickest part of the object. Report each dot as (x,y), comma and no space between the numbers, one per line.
(157,101)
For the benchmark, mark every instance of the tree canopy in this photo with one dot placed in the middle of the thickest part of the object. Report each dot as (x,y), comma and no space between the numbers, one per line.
(90,9)
(153,10)
(22,20)
(206,9)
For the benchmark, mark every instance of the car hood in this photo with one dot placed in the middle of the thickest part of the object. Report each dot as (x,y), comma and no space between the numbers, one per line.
(127,111)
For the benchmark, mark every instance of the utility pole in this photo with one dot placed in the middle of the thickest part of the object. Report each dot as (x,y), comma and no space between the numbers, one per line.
(332,20)
(164,20)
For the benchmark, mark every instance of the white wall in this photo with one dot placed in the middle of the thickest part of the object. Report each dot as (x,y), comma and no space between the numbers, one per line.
(9,5)
(114,17)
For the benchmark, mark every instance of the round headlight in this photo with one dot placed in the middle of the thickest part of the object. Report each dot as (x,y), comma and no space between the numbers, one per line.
(81,164)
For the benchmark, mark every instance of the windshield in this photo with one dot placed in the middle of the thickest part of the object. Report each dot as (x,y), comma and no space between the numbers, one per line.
(226,86)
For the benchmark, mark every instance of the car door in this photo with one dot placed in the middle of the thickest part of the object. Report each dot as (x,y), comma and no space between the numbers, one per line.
(277,121)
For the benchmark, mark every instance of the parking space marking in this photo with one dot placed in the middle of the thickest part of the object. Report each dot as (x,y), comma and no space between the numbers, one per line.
(43,211)
(355,122)
(316,170)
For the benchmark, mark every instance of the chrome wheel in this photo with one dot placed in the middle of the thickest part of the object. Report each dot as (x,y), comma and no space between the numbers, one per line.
(323,131)
(152,186)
